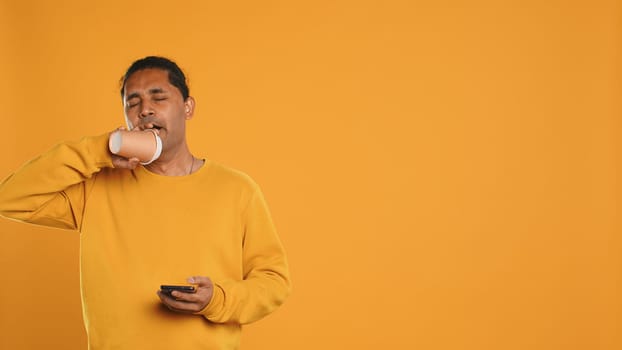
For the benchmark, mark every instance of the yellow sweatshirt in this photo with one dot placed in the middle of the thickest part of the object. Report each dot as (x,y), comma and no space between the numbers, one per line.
(139,230)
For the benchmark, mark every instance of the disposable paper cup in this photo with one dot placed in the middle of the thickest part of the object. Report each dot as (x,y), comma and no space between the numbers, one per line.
(145,145)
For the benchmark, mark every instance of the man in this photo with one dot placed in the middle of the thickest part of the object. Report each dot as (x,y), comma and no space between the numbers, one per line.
(178,218)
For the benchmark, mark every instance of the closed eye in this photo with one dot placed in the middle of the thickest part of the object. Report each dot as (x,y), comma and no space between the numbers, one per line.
(132,102)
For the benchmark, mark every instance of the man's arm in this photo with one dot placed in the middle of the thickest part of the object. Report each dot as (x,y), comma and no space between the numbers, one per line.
(51,190)
(266,281)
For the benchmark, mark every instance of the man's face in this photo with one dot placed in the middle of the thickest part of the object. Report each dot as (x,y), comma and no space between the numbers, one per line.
(151,102)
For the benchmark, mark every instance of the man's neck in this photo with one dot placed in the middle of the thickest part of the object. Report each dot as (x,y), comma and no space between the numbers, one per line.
(179,163)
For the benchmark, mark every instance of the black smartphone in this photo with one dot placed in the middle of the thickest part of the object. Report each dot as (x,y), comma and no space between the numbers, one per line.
(186,288)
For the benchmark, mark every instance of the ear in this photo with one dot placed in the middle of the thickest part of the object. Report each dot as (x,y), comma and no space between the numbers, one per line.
(189,107)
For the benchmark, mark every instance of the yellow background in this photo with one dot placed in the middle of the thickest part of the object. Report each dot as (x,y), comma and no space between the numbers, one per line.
(443,174)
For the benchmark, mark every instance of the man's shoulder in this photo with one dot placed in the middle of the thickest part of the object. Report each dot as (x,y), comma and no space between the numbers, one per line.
(226,174)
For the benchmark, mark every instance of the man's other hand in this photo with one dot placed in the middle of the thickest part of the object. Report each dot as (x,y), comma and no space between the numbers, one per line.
(190,302)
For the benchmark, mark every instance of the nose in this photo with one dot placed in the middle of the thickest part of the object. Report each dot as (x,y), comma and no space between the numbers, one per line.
(146,110)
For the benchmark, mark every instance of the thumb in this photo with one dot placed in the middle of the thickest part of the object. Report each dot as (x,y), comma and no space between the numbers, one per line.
(202,281)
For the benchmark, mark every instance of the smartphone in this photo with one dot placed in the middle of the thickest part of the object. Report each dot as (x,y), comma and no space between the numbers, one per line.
(186,288)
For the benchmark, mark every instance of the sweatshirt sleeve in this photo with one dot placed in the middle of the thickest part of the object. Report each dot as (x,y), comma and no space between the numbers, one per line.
(50,190)
(266,282)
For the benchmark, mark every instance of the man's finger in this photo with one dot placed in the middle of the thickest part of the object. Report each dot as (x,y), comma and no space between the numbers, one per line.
(187,297)
(178,305)
(123,163)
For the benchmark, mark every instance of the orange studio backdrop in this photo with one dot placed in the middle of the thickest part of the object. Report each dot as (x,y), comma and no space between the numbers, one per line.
(443,174)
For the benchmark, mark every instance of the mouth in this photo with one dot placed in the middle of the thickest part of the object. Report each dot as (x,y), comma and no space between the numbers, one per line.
(150,126)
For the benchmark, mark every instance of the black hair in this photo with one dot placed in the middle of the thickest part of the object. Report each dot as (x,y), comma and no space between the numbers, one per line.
(175,75)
